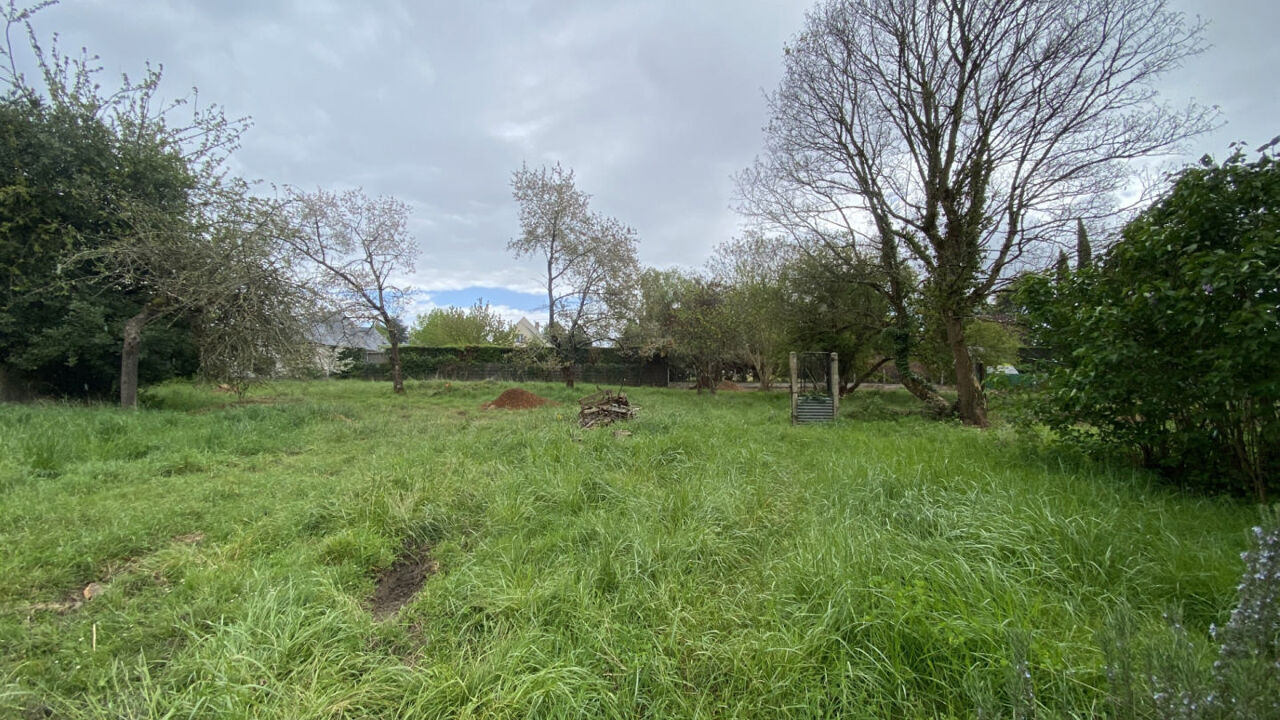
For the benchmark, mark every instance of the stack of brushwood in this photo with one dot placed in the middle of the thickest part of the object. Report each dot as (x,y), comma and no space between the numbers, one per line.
(604,407)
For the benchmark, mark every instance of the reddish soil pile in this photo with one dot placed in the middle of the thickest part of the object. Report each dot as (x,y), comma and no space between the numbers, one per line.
(515,399)
(728,385)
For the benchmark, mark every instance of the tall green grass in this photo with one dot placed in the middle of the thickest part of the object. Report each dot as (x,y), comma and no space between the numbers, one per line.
(717,562)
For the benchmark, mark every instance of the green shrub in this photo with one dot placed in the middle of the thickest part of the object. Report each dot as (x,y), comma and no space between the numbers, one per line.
(1171,347)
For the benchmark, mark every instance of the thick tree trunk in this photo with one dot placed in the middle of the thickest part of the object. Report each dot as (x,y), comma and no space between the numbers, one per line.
(972,402)
(397,379)
(916,385)
(763,370)
(566,371)
(129,358)
(902,330)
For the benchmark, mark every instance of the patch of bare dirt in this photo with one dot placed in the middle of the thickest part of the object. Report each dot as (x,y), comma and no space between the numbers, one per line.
(730,386)
(400,582)
(515,399)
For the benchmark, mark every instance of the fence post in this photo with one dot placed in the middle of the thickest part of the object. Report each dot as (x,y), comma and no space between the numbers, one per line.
(795,387)
(835,385)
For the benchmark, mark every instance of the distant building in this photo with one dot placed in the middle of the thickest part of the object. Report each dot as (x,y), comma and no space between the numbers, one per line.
(528,333)
(337,333)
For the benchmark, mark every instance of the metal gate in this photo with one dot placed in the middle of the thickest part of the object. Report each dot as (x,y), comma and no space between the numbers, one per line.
(815,387)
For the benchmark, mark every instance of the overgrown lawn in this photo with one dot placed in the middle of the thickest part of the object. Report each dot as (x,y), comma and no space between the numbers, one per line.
(716,562)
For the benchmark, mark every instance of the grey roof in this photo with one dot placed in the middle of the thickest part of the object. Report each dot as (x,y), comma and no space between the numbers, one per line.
(338,331)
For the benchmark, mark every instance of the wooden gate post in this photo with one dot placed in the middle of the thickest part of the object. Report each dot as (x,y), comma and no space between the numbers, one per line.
(835,386)
(795,387)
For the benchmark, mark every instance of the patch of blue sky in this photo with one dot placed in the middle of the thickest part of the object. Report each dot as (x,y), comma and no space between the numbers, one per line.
(495,296)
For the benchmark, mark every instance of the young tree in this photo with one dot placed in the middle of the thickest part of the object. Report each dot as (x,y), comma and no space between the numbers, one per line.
(967,137)
(703,326)
(826,310)
(647,331)
(357,248)
(477,325)
(751,268)
(590,261)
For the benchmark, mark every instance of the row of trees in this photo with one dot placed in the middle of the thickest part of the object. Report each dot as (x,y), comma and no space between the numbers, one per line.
(124,236)
(919,156)
(758,298)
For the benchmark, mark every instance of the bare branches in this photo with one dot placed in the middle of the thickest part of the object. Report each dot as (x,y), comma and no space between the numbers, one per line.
(356,249)
(967,133)
(203,136)
(590,259)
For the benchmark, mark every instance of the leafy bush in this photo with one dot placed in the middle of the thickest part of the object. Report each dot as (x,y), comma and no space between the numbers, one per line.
(1171,346)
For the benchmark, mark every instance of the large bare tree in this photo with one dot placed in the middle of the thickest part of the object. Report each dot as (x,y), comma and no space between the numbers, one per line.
(590,260)
(359,249)
(967,136)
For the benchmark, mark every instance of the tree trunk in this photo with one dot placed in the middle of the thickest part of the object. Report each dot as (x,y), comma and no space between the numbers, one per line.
(397,380)
(763,369)
(901,330)
(566,371)
(859,378)
(972,403)
(129,358)
(916,385)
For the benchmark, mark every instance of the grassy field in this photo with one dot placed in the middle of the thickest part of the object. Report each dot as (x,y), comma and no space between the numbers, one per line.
(717,562)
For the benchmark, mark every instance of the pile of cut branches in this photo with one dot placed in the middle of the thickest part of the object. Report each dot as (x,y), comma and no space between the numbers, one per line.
(603,408)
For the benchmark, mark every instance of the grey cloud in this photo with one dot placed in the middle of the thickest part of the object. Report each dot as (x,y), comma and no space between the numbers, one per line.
(654,104)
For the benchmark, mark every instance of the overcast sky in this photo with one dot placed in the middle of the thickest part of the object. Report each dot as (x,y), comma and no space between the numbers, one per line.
(654,104)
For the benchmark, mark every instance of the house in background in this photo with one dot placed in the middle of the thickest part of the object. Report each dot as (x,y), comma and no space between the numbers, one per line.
(528,333)
(336,333)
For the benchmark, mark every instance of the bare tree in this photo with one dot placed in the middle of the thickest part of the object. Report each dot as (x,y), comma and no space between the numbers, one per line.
(358,249)
(223,268)
(967,137)
(590,260)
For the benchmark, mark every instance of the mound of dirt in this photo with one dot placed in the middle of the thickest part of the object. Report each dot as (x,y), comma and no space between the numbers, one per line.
(729,385)
(515,399)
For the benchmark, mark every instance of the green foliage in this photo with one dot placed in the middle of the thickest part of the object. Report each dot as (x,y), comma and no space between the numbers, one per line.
(716,563)
(64,175)
(833,307)
(1171,345)
(455,326)
(703,326)
(648,328)
(426,363)
(992,343)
